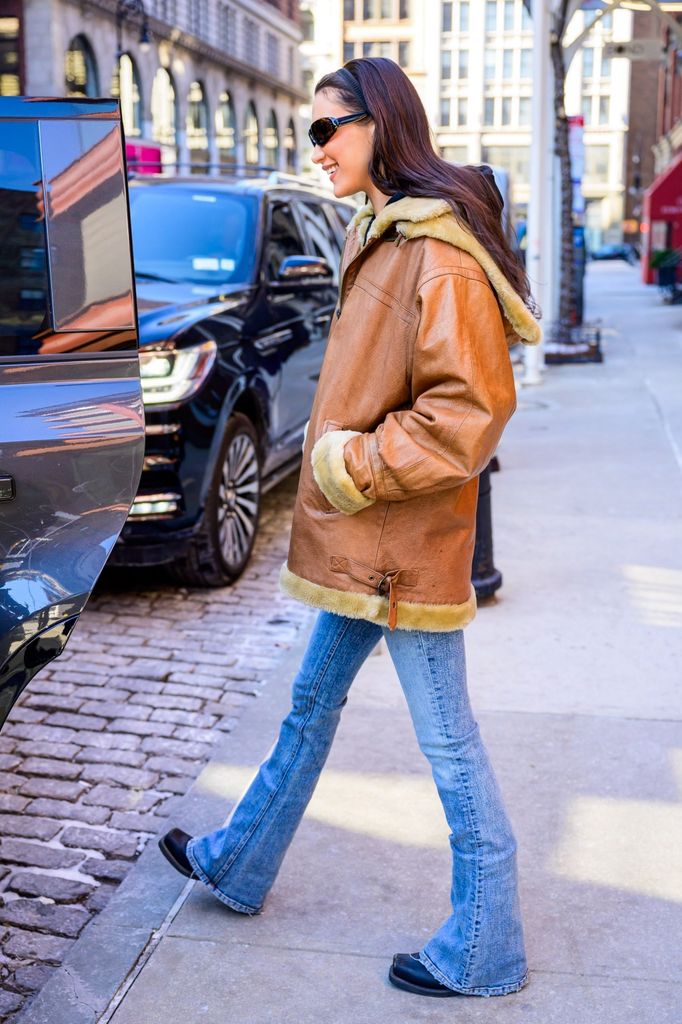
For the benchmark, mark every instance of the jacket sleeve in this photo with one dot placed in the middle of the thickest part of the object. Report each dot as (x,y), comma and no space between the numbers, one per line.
(464,395)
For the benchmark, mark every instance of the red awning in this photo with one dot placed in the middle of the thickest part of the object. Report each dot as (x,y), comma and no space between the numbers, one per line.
(664,198)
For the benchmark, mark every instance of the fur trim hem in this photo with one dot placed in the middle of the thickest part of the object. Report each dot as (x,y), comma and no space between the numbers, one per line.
(416,216)
(331,475)
(432,618)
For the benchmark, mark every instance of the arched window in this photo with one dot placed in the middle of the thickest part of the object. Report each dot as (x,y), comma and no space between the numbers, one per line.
(226,129)
(125,84)
(164,111)
(80,69)
(290,147)
(197,128)
(271,141)
(251,135)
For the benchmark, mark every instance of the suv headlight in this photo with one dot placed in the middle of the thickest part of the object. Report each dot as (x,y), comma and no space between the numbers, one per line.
(173,375)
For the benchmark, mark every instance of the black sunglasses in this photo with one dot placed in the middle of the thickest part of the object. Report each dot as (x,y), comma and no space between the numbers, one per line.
(321,131)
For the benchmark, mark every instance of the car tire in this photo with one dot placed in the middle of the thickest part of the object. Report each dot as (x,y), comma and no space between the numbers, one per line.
(221,550)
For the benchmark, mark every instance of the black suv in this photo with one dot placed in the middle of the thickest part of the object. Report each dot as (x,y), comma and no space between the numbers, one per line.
(236,285)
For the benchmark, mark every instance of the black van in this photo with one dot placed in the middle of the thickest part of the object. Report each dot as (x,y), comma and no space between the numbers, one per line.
(71,410)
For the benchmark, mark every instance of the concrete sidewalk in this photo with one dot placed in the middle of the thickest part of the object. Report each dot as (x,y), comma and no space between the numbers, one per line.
(574,672)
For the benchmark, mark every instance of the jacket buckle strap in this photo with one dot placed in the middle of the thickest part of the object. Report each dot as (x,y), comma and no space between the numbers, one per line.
(384,583)
(390,580)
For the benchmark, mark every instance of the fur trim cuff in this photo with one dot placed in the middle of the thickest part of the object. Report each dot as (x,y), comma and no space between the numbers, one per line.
(433,618)
(331,475)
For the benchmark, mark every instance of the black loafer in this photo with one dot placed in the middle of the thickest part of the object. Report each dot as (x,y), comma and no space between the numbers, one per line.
(408,972)
(174,848)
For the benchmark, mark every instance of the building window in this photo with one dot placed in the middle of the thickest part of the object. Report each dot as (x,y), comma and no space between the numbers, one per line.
(125,85)
(588,62)
(509,12)
(227,35)
(491,15)
(80,69)
(226,129)
(462,112)
(463,65)
(606,22)
(455,154)
(271,141)
(446,19)
(307,24)
(198,17)
(604,109)
(290,147)
(404,53)
(251,135)
(526,20)
(446,65)
(164,111)
(526,62)
(386,9)
(166,10)
(506,110)
(514,159)
(596,163)
(197,127)
(586,107)
(489,65)
(488,111)
(525,109)
(251,41)
(377,49)
(445,112)
(464,15)
(605,66)
(349,10)
(507,64)
(10,81)
(273,54)
(348,51)
(404,10)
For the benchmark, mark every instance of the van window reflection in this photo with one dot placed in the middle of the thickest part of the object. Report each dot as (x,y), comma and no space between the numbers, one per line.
(87,225)
(23,267)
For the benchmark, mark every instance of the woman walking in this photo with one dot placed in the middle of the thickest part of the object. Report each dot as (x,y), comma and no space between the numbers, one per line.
(415,391)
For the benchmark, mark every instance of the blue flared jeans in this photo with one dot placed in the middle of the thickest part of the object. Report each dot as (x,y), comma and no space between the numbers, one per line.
(479,949)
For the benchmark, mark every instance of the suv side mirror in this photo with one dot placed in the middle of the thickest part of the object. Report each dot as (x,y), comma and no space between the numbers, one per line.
(296,268)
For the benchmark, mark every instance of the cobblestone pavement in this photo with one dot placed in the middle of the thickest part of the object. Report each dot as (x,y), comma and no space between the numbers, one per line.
(106,740)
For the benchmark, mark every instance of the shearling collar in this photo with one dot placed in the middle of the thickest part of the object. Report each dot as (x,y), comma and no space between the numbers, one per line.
(415,216)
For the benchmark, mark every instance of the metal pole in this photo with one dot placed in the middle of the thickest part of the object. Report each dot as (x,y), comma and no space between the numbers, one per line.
(539,262)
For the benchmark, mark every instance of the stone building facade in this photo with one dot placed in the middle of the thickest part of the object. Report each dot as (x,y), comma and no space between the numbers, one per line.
(214,82)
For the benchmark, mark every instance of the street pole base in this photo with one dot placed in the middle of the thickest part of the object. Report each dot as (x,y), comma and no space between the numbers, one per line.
(486,586)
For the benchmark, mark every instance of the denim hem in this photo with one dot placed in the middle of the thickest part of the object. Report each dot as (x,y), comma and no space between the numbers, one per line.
(241,908)
(480,990)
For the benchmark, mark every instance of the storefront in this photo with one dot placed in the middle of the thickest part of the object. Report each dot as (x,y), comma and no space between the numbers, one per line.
(662,220)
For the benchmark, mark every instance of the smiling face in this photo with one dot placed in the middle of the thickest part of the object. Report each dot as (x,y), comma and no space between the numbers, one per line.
(349,151)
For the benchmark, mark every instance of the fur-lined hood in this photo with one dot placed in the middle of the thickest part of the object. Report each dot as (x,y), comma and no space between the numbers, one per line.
(415,216)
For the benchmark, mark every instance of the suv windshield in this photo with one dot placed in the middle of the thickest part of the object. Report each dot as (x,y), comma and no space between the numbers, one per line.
(190,234)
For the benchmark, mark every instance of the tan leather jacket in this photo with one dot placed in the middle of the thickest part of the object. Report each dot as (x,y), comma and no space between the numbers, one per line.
(414,393)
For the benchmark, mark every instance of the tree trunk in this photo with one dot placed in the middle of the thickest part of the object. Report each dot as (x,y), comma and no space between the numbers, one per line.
(567,297)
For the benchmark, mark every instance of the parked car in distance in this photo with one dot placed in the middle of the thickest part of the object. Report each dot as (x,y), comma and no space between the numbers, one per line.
(615,251)
(237,281)
(72,423)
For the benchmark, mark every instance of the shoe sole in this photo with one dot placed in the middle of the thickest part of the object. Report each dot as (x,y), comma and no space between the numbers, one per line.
(176,863)
(421,990)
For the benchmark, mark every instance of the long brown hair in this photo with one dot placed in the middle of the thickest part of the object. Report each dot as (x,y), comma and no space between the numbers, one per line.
(403,157)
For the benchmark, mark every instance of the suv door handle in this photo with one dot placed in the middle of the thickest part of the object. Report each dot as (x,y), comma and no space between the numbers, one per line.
(7,488)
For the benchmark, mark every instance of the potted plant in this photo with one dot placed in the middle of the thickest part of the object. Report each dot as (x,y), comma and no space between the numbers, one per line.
(664,262)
